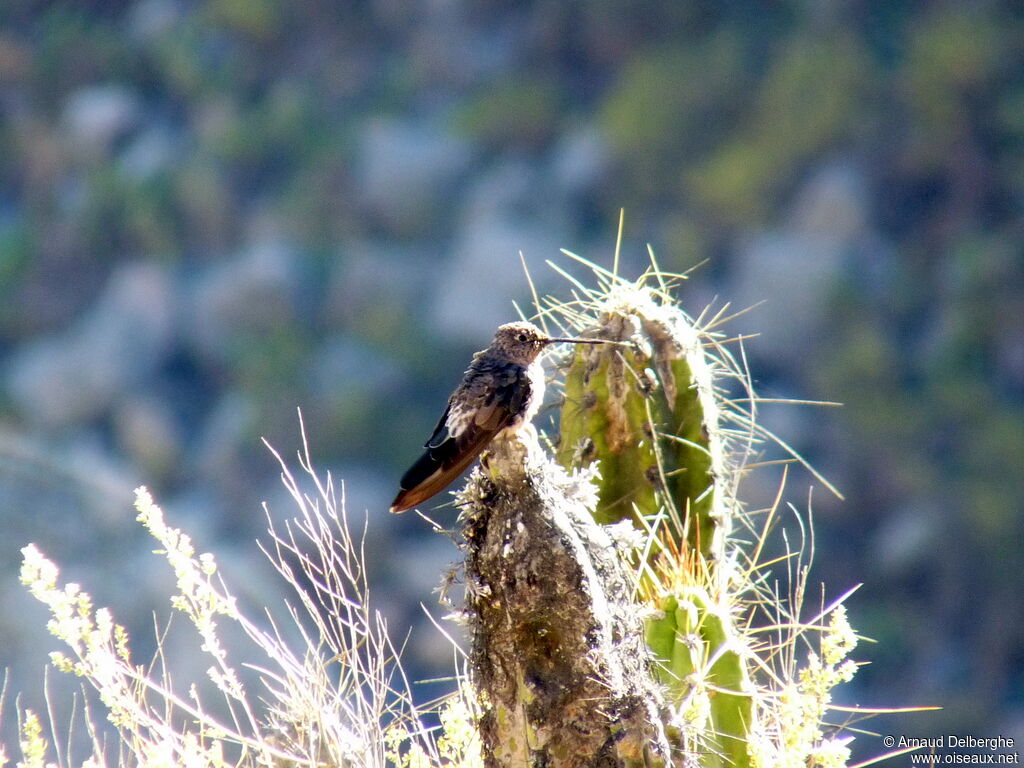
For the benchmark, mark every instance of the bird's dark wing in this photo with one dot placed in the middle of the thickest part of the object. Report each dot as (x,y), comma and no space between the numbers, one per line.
(470,422)
(441,430)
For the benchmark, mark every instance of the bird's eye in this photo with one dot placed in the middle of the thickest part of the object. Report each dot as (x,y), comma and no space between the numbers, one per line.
(521,338)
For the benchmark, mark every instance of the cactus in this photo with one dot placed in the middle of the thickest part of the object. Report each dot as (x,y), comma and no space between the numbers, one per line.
(704,670)
(684,677)
(647,416)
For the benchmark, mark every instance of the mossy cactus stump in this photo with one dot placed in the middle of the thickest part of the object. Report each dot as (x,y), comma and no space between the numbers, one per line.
(558,655)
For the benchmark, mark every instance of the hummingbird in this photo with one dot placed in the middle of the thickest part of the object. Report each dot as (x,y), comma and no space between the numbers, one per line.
(501,390)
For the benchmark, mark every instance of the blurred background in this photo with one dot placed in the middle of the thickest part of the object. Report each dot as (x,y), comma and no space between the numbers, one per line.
(213,212)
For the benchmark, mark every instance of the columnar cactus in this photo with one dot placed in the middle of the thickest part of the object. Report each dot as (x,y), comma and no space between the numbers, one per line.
(647,417)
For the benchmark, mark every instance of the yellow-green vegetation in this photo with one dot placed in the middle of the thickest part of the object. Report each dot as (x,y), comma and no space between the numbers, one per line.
(534,103)
(328,697)
(805,106)
(458,743)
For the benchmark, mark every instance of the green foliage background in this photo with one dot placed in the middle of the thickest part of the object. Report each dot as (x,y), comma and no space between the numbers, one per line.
(714,115)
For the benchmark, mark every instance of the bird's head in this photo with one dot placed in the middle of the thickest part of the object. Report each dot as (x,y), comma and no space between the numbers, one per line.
(521,342)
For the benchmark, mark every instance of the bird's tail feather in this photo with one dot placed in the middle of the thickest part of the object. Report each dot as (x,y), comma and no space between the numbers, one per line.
(429,476)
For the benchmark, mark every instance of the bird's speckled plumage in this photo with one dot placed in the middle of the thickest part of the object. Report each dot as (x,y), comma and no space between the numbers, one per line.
(502,389)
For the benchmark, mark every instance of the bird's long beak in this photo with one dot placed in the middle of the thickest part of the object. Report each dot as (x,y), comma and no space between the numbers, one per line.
(585,341)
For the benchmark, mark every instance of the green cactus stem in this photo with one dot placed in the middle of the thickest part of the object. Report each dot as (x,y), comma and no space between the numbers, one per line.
(647,417)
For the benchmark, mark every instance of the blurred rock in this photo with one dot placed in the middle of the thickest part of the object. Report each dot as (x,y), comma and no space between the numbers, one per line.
(147,431)
(505,189)
(73,486)
(152,152)
(833,203)
(75,376)
(906,538)
(372,286)
(96,116)
(580,160)
(448,50)
(485,276)
(342,365)
(196,509)
(227,432)
(793,269)
(105,480)
(1009,350)
(236,300)
(406,171)
(353,388)
(792,274)
(15,59)
(149,18)
(504,215)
